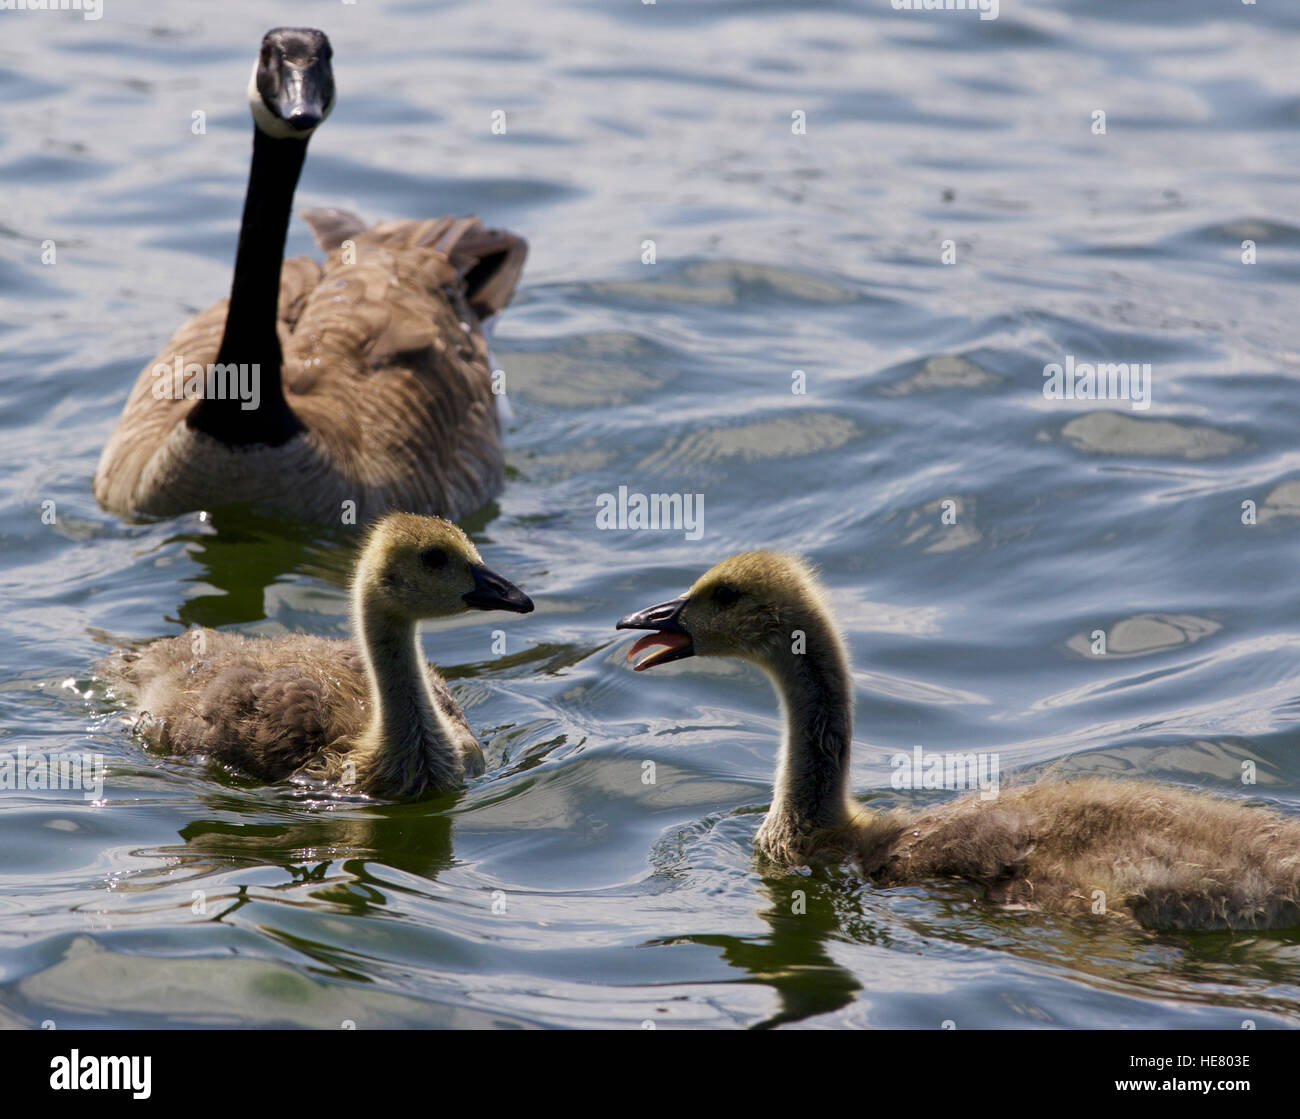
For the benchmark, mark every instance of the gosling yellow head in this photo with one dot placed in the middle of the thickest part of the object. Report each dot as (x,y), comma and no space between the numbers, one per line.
(751,605)
(416,567)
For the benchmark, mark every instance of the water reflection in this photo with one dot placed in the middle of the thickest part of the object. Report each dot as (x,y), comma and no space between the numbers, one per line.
(240,553)
(804,914)
(414,838)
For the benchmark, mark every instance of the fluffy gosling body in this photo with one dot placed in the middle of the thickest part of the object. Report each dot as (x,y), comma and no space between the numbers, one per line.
(1166,857)
(372,716)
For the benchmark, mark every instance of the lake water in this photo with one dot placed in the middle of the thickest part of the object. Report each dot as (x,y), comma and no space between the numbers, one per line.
(560,889)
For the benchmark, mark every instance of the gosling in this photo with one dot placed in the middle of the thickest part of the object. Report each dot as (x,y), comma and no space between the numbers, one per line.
(375,719)
(1162,856)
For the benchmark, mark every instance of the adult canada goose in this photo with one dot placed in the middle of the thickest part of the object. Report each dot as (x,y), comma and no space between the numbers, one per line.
(363,380)
(1169,858)
(376,718)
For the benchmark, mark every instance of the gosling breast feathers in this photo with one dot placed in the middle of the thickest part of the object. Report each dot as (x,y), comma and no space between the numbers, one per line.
(371,716)
(362,380)
(1168,858)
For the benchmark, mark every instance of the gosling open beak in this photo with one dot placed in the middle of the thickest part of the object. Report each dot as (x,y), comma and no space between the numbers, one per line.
(493,592)
(665,621)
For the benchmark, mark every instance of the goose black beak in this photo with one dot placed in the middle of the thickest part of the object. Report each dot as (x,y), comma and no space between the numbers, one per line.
(665,621)
(494,592)
(303,95)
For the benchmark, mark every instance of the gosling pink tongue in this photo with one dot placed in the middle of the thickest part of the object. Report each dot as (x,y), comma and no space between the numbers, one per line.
(670,641)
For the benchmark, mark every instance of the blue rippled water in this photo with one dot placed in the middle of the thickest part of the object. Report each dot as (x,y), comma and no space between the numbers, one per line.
(559,890)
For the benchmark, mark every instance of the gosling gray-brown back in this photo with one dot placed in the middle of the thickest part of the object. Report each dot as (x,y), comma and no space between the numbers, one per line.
(372,717)
(1167,857)
(332,392)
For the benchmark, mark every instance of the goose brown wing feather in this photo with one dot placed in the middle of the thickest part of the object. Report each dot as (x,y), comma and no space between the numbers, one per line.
(393,389)
(489,261)
(331,226)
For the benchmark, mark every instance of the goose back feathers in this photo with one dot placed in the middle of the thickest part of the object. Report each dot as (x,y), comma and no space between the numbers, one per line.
(385,368)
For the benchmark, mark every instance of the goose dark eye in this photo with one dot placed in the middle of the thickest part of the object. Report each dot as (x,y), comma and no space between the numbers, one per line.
(725,596)
(433,558)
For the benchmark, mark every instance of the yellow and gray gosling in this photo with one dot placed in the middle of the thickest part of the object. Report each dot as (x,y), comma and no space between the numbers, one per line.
(363,380)
(374,718)
(1166,857)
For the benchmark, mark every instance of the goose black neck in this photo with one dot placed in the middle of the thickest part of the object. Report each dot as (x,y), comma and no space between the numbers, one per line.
(250,336)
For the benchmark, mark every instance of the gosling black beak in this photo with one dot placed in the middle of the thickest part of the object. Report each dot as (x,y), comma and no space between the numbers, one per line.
(665,621)
(493,592)
(295,77)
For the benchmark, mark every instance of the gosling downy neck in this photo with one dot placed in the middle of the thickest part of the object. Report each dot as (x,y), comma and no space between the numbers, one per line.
(250,335)
(408,745)
(766,608)
(810,789)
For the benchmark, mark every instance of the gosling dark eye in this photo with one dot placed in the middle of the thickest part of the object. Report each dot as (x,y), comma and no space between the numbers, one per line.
(725,596)
(433,558)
